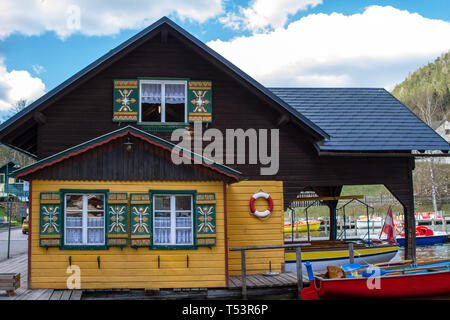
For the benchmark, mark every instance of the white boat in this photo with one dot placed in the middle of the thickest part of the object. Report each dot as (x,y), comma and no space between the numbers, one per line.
(374,222)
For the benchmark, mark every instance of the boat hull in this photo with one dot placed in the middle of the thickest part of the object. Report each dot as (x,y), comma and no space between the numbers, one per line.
(323,258)
(402,286)
(313,226)
(424,240)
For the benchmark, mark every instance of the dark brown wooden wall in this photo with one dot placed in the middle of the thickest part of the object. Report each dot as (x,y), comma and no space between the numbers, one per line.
(86,113)
(111,162)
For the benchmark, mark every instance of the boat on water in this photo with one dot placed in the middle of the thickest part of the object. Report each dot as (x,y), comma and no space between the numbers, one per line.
(302,226)
(374,222)
(424,236)
(324,253)
(426,279)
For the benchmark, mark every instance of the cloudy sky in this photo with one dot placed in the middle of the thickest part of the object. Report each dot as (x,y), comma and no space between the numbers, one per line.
(309,43)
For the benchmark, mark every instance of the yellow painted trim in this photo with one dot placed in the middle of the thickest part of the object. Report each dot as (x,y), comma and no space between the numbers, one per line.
(49,236)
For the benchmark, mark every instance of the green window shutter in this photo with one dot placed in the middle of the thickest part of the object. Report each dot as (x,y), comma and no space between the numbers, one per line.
(126,100)
(205,219)
(199,101)
(50,219)
(117,220)
(141,220)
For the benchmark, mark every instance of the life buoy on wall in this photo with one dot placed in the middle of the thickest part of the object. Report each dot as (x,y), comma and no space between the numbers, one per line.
(252,204)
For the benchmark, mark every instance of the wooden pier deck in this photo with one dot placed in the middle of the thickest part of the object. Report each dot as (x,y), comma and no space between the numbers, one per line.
(257,284)
(19,264)
(257,281)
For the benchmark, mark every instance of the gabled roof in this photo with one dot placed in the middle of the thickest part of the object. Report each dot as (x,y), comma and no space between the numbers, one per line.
(195,41)
(362,119)
(128,130)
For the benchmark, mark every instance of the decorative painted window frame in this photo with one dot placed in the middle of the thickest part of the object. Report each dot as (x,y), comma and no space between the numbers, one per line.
(192,246)
(163,82)
(63,193)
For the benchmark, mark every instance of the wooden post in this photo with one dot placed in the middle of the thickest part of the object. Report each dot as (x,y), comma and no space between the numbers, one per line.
(351,255)
(244,284)
(298,255)
(444,222)
(433,222)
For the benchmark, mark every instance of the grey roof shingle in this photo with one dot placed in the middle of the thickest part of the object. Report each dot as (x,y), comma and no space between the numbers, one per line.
(362,119)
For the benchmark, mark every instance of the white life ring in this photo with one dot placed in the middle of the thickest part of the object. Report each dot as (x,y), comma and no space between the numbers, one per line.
(252,204)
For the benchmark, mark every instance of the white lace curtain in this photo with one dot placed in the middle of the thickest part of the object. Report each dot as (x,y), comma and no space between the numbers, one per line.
(183,232)
(74,231)
(174,93)
(151,93)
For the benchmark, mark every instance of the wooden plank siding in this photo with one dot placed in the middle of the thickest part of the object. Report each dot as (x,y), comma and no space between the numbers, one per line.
(129,268)
(245,229)
(112,162)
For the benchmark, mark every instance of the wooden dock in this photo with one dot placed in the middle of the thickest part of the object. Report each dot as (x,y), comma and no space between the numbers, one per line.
(259,281)
(19,264)
(257,284)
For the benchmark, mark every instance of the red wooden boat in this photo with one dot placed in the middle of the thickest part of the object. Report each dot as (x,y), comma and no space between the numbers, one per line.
(433,282)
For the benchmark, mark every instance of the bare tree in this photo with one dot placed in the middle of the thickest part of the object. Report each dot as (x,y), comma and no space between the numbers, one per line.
(428,106)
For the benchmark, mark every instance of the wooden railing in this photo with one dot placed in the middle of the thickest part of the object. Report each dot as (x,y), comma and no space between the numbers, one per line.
(298,262)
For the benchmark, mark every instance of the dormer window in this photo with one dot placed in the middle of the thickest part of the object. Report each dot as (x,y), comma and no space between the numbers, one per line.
(163,101)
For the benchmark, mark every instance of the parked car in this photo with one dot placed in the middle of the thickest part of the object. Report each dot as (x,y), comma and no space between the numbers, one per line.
(25,226)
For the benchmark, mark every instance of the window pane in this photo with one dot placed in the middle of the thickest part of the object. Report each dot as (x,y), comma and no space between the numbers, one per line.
(151,112)
(184,236)
(74,202)
(175,102)
(95,235)
(74,218)
(151,102)
(151,93)
(162,219)
(162,202)
(183,220)
(183,202)
(162,235)
(95,202)
(95,219)
(73,236)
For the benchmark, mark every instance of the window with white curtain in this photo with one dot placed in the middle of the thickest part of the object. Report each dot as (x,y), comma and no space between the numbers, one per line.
(163,101)
(84,219)
(173,220)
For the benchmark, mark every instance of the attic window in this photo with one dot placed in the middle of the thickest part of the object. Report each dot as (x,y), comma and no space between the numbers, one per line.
(163,101)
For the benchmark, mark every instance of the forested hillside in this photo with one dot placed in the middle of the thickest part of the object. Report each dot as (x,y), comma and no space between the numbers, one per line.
(426,91)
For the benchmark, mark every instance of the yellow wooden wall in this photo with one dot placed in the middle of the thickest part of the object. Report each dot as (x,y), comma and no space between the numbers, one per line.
(129,268)
(245,229)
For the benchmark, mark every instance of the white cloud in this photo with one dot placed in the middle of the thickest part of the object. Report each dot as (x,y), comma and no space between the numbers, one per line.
(16,85)
(102,17)
(263,14)
(375,48)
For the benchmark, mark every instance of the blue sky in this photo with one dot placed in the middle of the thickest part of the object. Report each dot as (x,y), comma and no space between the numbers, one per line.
(38,49)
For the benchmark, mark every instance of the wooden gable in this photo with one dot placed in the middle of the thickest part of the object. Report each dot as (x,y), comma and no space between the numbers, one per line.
(107,158)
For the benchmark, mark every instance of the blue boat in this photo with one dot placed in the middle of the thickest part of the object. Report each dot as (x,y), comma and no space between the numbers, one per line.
(425,240)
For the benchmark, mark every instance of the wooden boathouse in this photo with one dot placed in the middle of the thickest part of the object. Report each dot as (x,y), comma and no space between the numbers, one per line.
(106,196)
